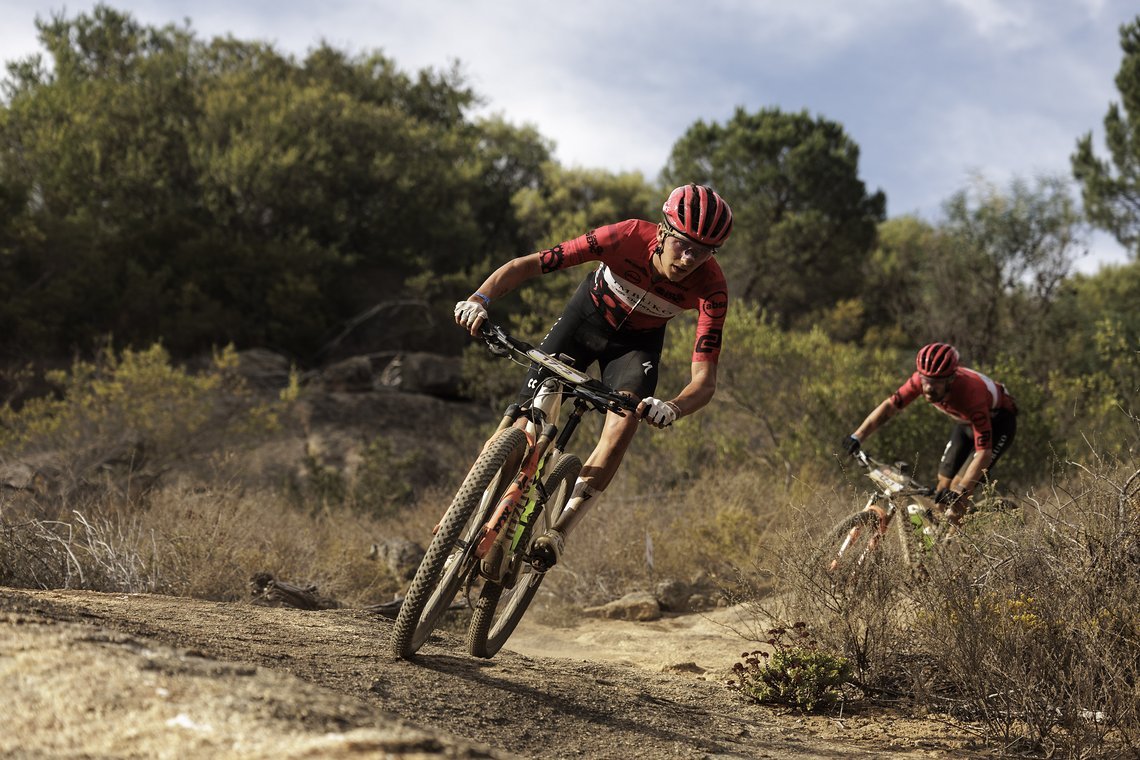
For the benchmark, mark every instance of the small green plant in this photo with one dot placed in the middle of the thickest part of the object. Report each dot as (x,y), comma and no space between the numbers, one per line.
(797,673)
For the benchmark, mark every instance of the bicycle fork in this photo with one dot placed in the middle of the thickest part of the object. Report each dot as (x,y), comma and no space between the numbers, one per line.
(498,533)
(884,518)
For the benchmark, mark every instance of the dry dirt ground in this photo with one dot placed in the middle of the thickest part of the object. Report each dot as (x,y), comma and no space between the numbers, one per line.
(104,675)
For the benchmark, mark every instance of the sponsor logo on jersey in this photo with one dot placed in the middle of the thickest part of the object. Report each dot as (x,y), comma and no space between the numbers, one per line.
(635,298)
(592,240)
(708,343)
(716,305)
(552,258)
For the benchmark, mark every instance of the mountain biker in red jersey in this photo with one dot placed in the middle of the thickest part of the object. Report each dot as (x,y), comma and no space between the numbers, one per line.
(647,274)
(984,412)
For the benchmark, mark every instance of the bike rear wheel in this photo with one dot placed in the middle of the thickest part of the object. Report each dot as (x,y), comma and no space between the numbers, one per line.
(450,557)
(499,610)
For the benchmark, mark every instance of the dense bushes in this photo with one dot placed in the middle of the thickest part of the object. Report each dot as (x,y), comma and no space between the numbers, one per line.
(1025,625)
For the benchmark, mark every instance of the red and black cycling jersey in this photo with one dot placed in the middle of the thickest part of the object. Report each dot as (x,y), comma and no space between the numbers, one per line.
(631,296)
(971,400)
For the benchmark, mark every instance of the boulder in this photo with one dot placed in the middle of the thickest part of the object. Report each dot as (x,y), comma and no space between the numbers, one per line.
(673,595)
(420,372)
(262,368)
(401,556)
(640,606)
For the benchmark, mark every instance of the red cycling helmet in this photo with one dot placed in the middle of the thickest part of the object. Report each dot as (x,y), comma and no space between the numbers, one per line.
(698,213)
(937,360)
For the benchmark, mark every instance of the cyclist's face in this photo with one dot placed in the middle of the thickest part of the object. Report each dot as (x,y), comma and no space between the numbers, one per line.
(680,256)
(935,389)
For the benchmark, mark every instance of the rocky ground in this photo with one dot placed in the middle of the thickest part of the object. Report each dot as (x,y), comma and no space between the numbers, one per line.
(104,675)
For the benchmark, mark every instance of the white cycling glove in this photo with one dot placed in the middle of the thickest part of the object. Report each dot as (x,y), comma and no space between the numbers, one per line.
(467,313)
(660,413)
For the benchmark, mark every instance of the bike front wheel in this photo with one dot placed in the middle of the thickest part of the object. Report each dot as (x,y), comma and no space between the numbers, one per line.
(499,610)
(851,545)
(450,558)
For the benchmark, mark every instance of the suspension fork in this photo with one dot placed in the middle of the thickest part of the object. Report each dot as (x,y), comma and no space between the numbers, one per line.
(508,506)
(884,515)
(533,507)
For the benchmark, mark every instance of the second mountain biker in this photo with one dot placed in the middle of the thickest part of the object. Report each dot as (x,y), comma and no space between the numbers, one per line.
(647,274)
(984,414)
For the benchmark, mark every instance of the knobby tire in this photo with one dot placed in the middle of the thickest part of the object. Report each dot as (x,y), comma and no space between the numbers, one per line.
(450,556)
(488,631)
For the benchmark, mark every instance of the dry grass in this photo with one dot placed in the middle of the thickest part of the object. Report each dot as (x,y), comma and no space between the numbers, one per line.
(201,542)
(1027,625)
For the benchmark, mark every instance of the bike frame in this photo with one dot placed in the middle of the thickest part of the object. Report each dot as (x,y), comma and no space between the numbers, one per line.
(894,487)
(517,510)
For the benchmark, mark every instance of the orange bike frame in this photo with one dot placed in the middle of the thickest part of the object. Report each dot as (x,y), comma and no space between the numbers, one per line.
(511,500)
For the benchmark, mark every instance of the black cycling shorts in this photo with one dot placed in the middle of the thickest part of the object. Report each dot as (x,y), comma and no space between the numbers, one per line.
(627,359)
(961,443)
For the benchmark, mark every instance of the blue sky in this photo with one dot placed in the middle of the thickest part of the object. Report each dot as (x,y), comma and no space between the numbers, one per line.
(933,91)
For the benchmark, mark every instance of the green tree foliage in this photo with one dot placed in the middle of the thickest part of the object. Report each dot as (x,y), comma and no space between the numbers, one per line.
(135,409)
(1014,249)
(985,278)
(1094,382)
(1111,187)
(894,296)
(804,222)
(206,192)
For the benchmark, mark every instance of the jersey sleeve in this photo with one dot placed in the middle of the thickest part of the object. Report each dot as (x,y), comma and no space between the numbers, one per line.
(712,307)
(907,392)
(982,424)
(592,246)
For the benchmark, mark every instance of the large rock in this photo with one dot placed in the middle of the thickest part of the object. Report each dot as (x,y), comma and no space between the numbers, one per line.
(352,374)
(263,368)
(640,606)
(401,556)
(432,374)
(673,595)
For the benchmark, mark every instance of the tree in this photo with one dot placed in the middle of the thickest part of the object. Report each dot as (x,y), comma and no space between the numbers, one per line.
(804,222)
(1112,198)
(155,186)
(989,291)
(894,296)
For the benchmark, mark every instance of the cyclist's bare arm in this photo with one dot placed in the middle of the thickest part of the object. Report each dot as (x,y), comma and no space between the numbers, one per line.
(504,280)
(697,393)
(510,275)
(700,389)
(875,419)
(975,471)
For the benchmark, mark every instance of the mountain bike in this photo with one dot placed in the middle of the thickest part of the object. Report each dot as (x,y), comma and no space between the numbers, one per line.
(897,497)
(512,494)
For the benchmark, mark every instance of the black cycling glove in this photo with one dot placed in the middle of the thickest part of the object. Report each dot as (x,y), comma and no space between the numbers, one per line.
(850,445)
(946,496)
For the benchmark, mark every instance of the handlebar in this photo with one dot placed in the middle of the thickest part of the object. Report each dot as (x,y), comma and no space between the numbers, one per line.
(601,396)
(890,477)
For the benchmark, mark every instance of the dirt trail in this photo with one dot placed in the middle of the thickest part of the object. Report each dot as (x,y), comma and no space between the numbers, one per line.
(108,675)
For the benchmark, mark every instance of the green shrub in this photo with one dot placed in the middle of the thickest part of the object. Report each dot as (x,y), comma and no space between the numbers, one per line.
(798,673)
(135,406)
